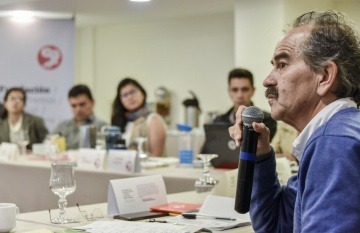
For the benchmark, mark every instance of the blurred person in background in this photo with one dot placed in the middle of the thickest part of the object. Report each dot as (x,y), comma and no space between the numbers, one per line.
(82,104)
(15,121)
(131,114)
(241,89)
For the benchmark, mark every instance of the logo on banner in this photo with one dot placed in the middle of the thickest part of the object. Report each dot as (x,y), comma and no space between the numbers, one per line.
(49,57)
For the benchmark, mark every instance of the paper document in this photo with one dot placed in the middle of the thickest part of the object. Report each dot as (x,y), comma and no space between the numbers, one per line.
(222,207)
(138,227)
(215,207)
(158,162)
(211,224)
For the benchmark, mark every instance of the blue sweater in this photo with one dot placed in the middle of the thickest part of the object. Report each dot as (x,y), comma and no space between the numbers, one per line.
(325,195)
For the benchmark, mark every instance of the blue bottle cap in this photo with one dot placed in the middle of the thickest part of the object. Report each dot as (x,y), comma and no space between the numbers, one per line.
(184,127)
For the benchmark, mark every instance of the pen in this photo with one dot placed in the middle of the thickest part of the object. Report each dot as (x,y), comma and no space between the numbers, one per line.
(195,215)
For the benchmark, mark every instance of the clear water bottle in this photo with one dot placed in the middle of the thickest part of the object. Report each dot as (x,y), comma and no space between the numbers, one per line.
(186,148)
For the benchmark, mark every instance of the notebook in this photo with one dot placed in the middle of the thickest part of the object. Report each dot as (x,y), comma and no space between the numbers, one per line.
(218,141)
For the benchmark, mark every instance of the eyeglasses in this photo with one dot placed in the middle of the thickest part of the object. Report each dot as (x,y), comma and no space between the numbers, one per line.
(132,92)
(15,99)
(92,216)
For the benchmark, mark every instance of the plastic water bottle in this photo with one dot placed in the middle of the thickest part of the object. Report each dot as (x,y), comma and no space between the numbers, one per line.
(186,150)
(113,138)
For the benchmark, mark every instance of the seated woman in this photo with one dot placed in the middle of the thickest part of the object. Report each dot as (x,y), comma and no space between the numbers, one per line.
(14,121)
(131,114)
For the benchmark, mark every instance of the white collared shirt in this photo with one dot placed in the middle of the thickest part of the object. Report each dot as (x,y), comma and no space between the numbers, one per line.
(322,117)
(15,130)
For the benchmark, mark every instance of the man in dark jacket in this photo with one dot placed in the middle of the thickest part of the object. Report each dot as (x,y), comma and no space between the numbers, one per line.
(241,89)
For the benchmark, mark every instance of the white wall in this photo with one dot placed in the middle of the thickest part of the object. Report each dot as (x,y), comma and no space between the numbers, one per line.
(258,27)
(192,53)
(181,54)
(294,8)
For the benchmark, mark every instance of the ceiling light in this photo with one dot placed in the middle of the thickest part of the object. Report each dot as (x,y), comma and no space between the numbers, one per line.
(36,14)
(22,16)
(140,0)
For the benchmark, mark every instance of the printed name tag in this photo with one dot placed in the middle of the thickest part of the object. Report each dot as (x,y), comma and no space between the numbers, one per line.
(135,194)
(8,151)
(91,159)
(123,161)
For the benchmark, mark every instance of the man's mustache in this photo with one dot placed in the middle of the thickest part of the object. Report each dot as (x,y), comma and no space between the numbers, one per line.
(272,91)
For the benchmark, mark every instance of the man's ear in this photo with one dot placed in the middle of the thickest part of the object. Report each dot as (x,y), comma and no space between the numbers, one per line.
(327,79)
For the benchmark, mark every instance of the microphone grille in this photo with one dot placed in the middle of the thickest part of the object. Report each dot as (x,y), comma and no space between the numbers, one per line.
(252,114)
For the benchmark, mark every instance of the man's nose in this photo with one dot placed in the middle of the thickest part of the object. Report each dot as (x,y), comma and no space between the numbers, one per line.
(270,80)
(77,108)
(240,93)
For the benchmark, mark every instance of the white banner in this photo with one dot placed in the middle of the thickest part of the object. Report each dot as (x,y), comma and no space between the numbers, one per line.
(39,56)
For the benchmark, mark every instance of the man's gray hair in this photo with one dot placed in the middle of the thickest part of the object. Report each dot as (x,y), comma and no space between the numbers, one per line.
(333,38)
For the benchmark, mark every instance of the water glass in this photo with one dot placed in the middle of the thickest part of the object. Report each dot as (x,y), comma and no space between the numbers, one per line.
(62,183)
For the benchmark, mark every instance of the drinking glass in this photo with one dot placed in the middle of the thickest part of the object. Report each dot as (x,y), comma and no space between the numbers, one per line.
(24,140)
(206,182)
(62,183)
(140,142)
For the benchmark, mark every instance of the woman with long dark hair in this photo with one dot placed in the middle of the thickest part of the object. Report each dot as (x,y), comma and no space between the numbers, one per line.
(14,120)
(131,114)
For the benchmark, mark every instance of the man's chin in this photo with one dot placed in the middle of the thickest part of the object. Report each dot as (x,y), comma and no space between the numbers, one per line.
(80,119)
(275,113)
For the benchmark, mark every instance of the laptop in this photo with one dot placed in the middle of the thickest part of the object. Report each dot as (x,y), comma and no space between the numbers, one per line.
(218,141)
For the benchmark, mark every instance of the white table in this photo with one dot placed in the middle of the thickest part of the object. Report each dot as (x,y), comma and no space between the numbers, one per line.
(22,226)
(42,217)
(26,183)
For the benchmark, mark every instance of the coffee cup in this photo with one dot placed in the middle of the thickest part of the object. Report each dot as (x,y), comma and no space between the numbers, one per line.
(8,214)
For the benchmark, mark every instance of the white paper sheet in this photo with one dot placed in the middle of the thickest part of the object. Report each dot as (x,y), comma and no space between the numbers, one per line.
(208,223)
(156,162)
(215,206)
(135,227)
(221,207)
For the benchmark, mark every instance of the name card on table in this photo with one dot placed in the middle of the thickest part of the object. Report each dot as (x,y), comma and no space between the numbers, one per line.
(123,161)
(8,151)
(41,149)
(138,194)
(91,159)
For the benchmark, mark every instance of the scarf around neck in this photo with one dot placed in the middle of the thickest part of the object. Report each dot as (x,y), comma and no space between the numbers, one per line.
(141,112)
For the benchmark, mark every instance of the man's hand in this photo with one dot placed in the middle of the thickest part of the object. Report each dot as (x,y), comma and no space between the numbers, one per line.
(235,131)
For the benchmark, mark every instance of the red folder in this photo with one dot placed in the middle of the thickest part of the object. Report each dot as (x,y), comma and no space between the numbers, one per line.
(175,207)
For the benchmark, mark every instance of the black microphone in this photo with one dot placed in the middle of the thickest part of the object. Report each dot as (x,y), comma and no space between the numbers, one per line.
(247,158)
